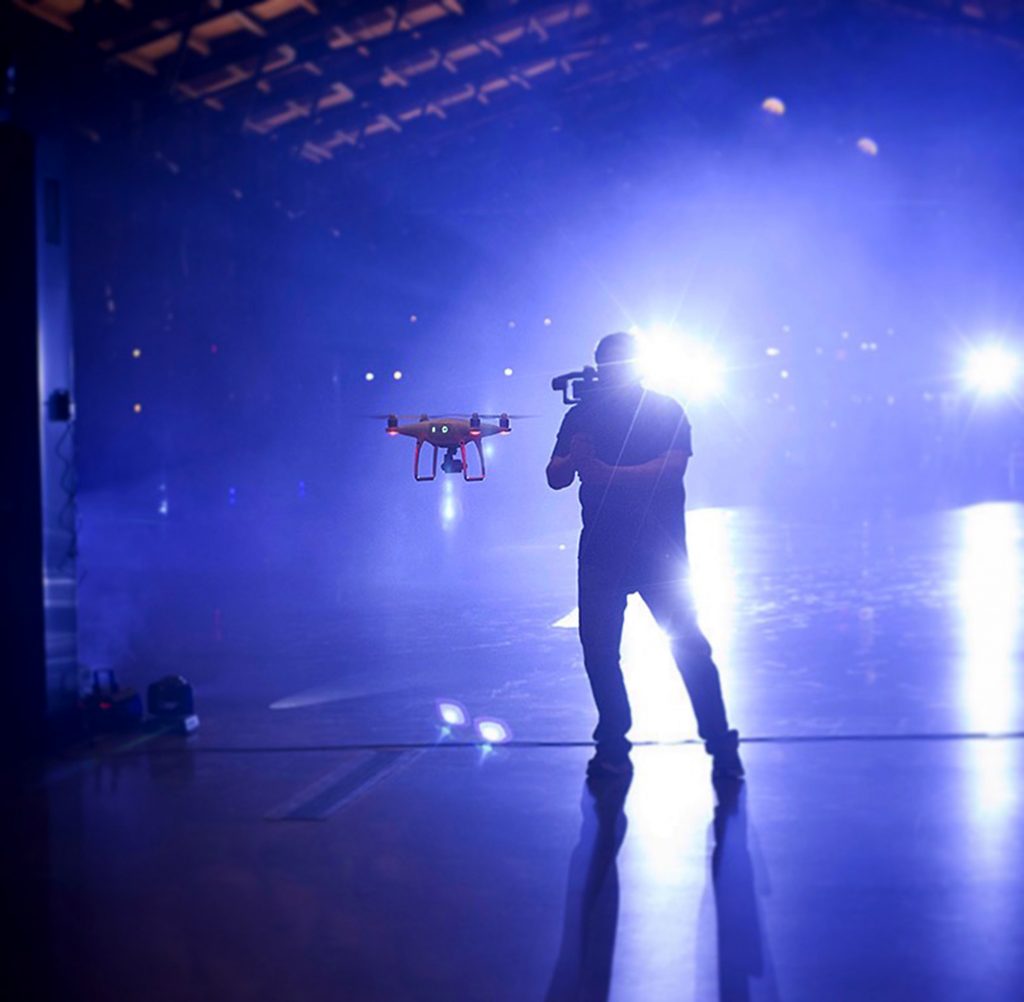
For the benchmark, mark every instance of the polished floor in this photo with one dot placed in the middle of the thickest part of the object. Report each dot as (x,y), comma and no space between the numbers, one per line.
(327,835)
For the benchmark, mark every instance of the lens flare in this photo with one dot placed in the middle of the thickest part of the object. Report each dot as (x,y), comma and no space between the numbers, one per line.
(680,365)
(991,370)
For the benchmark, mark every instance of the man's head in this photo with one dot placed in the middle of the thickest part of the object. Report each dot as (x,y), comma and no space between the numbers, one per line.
(618,359)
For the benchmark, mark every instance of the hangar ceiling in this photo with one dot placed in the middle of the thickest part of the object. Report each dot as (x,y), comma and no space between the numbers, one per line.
(330,79)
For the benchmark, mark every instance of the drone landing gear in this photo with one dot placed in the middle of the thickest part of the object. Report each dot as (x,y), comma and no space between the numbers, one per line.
(464,465)
(416,463)
(450,464)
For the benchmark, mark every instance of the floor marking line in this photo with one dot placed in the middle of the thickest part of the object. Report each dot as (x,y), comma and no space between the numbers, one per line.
(323,798)
(423,746)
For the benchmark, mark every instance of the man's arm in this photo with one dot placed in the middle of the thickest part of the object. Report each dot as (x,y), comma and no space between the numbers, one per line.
(671,464)
(561,471)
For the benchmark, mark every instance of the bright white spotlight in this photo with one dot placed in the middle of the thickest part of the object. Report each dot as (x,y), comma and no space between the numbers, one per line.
(452,713)
(679,365)
(991,370)
(493,732)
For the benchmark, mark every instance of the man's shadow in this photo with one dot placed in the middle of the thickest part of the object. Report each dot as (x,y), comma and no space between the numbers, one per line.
(584,966)
(742,956)
(583,969)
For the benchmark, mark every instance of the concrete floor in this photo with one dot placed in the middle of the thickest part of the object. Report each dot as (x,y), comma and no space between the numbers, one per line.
(323,837)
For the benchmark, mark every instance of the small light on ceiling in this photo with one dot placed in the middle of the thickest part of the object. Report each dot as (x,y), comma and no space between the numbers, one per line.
(397,374)
(413,318)
(771,352)
(508,372)
(547,321)
(137,408)
(369,377)
(774,105)
(511,324)
(868,146)
(136,353)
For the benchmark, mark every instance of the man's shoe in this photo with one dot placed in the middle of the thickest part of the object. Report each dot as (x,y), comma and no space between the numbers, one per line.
(726,758)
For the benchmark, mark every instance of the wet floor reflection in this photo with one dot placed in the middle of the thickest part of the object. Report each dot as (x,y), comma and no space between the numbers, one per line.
(989,592)
(668,883)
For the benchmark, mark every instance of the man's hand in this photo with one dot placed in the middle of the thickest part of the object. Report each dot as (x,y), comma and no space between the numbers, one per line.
(590,469)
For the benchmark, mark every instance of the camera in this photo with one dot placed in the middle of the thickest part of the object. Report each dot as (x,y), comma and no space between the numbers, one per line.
(574,385)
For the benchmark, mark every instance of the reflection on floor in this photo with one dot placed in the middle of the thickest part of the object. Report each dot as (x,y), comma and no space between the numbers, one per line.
(335,831)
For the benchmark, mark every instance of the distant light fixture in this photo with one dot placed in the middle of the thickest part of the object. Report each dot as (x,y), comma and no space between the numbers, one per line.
(774,105)
(508,371)
(214,349)
(397,374)
(867,145)
(771,352)
(137,408)
(511,324)
(784,374)
(369,377)
(136,353)
(547,321)
(413,318)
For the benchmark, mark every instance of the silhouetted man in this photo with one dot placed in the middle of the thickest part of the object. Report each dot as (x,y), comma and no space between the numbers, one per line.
(630,448)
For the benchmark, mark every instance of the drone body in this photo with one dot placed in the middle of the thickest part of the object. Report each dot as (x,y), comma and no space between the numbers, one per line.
(451,433)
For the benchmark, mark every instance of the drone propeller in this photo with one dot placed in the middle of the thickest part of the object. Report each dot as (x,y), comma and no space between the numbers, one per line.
(448,414)
(511,417)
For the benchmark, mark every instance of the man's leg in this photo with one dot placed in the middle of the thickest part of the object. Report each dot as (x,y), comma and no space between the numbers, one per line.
(602,604)
(669,599)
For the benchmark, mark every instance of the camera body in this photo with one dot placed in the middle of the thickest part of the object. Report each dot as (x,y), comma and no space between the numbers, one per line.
(575,385)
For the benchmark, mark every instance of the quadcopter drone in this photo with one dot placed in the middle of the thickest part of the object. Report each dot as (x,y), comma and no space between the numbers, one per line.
(451,432)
